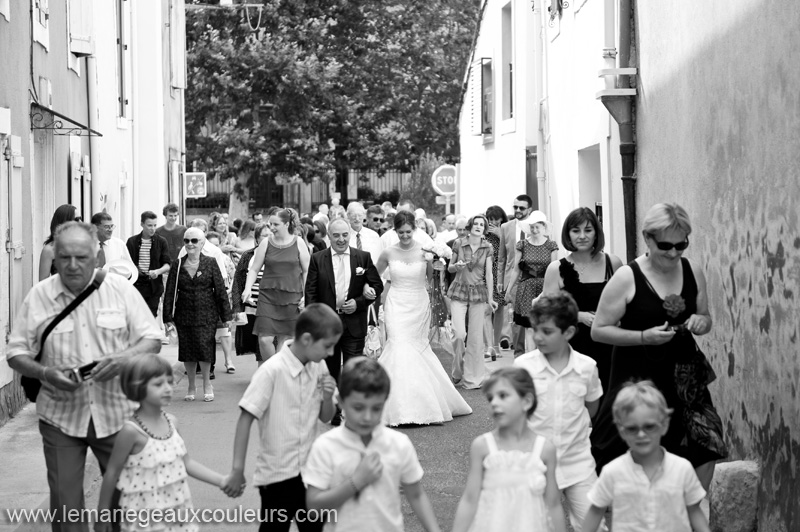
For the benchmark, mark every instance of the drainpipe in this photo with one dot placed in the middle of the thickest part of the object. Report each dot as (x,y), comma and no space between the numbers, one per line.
(627,146)
(618,99)
(538,66)
(97,186)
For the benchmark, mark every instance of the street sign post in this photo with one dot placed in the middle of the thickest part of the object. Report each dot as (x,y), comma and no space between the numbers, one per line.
(443,181)
(195,183)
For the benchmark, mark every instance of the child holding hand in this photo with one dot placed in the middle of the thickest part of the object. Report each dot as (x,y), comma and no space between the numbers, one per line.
(358,468)
(149,464)
(511,484)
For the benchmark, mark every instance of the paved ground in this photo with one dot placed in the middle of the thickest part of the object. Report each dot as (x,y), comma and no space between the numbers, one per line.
(208,429)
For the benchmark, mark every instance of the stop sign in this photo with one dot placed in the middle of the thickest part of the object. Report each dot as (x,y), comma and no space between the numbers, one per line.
(443,180)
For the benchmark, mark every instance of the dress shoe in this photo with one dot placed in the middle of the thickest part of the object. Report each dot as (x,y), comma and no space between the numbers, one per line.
(504,344)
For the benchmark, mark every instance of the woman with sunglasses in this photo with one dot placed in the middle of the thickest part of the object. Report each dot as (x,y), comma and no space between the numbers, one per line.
(650,311)
(195,299)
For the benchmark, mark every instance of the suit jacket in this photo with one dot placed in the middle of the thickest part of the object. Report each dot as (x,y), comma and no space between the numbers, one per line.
(159,256)
(321,286)
(507,252)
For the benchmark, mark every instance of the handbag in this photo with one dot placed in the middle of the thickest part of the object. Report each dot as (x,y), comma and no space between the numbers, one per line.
(31,385)
(373,344)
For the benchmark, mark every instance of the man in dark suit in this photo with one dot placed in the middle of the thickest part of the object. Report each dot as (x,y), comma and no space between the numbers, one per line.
(346,280)
(150,252)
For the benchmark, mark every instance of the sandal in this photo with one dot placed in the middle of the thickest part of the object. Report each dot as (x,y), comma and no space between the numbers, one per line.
(189,397)
(208,397)
(230,368)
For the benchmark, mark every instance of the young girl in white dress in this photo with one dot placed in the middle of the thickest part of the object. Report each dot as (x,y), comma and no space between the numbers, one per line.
(511,485)
(149,463)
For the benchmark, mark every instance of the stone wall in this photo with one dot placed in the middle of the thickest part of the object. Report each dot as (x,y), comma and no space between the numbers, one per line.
(12,399)
(718,121)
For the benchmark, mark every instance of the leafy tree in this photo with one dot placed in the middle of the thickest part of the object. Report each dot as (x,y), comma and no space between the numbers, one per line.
(324,86)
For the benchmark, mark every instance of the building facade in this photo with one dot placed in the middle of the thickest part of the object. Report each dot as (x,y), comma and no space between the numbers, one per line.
(91,114)
(626,103)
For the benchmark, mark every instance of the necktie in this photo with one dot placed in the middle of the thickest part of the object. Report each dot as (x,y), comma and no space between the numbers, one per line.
(101,256)
(358,241)
(341,289)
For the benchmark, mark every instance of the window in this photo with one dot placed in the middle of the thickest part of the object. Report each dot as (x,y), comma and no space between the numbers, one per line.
(122,58)
(177,44)
(507,36)
(41,22)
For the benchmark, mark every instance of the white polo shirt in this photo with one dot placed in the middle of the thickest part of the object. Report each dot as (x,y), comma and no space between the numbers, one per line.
(335,456)
(285,398)
(640,504)
(561,414)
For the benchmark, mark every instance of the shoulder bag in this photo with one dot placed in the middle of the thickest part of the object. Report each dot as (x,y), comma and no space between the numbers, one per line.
(32,385)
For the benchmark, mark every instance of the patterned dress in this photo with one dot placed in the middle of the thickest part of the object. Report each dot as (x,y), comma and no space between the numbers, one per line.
(498,296)
(530,283)
(155,479)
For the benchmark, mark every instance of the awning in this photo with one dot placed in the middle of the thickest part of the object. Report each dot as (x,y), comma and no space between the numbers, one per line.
(58,123)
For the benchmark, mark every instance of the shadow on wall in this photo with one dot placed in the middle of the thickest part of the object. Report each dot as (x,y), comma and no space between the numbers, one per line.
(729,155)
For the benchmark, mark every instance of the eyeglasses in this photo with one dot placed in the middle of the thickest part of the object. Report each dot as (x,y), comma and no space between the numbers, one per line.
(191,240)
(666,246)
(79,218)
(108,227)
(520,208)
(649,428)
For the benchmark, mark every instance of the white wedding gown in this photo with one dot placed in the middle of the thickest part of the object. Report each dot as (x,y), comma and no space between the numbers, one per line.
(421,392)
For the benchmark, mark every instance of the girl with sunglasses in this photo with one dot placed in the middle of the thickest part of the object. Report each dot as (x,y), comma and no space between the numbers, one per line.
(650,311)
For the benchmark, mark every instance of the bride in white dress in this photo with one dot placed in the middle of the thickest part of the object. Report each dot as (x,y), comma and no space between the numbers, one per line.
(421,392)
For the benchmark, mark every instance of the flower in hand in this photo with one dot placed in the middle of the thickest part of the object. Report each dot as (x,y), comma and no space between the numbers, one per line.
(674,305)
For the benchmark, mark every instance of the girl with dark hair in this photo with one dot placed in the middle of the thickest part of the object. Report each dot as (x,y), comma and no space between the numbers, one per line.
(284,257)
(495,320)
(65,213)
(584,273)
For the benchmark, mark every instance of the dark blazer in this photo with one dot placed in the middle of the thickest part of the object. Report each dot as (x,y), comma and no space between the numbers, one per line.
(159,256)
(321,286)
(201,300)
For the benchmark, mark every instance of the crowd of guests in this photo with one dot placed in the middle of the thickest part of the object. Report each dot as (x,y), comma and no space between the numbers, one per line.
(607,376)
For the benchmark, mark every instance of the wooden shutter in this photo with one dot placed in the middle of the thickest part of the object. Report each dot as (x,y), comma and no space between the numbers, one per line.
(475,88)
(81,41)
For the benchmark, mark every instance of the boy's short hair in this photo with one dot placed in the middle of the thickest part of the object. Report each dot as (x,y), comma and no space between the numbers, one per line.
(633,394)
(365,375)
(170,207)
(148,215)
(137,371)
(214,234)
(560,306)
(319,320)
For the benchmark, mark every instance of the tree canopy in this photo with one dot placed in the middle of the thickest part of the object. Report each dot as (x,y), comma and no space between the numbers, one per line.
(322,86)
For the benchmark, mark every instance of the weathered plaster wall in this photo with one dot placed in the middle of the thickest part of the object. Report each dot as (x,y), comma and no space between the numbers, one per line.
(718,122)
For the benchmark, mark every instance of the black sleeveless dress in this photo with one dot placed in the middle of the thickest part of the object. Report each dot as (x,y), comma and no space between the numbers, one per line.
(587,296)
(658,363)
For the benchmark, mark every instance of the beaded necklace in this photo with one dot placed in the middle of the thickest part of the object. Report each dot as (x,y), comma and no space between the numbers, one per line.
(147,430)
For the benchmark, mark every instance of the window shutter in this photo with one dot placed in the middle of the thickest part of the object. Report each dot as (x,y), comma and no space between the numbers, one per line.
(81,28)
(177,44)
(475,97)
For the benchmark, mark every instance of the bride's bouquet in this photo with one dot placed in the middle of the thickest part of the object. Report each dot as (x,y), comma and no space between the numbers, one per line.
(439,251)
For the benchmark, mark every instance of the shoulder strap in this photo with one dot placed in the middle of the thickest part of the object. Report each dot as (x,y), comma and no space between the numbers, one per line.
(99,277)
(538,445)
(490,442)
(609,267)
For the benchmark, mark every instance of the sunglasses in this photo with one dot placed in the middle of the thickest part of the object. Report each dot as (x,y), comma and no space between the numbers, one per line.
(191,240)
(79,218)
(520,208)
(378,219)
(666,246)
(650,428)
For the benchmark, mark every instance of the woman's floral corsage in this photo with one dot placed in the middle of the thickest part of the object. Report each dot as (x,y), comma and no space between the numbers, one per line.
(674,305)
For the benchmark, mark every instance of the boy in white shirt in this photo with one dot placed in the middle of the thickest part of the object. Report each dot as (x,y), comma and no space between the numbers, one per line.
(358,468)
(287,395)
(568,390)
(648,488)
